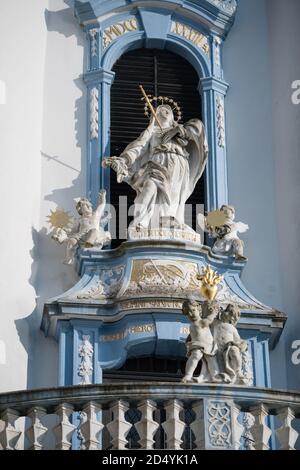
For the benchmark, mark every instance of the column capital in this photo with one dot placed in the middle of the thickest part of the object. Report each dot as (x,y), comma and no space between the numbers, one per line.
(212,83)
(99,76)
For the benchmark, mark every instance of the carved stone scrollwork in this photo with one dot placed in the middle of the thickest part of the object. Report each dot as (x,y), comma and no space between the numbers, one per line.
(94,47)
(86,353)
(107,285)
(219,427)
(94,113)
(220,121)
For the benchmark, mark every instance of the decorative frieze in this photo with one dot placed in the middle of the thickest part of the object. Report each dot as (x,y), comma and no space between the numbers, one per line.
(108,283)
(191,34)
(220,121)
(117,30)
(94,113)
(86,353)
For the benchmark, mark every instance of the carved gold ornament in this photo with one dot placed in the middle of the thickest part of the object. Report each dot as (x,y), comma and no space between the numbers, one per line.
(159,100)
(59,219)
(209,282)
(216,219)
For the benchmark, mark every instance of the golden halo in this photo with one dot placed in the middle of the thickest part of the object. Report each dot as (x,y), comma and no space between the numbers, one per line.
(163,100)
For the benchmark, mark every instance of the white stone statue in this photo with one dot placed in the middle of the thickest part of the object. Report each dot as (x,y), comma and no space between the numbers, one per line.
(87,230)
(215,341)
(200,343)
(163,166)
(227,240)
(230,346)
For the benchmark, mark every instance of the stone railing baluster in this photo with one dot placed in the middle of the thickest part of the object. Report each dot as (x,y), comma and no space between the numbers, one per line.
(37,431)
(119,427)
(260,431)
(147,427)
(9,436)
(173,426)
(287,436)
(197,426)
(63,432)
(91,427)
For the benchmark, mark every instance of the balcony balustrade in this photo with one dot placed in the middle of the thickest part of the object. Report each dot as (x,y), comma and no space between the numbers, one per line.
(149,416)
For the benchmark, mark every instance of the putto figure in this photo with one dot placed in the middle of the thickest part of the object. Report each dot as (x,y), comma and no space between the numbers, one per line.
(162,165)
(225,232)
(200,343)
(230,346)
(87,230)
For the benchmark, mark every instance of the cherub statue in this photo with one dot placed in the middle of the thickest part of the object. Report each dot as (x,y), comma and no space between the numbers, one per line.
(226,233)
(87,230)
(230,346)
(200,343)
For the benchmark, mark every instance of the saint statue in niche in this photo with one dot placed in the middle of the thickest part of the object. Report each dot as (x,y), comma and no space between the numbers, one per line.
(162,165)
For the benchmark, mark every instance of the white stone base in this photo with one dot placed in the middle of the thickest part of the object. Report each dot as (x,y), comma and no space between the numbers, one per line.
(164,234)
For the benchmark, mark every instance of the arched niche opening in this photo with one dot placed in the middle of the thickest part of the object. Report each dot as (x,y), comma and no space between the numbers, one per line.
(162,73)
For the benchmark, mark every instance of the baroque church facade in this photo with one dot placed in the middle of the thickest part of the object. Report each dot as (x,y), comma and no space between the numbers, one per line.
(138,312)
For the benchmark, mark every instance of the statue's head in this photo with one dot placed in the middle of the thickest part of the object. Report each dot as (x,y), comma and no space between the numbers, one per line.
(229,211)
(231,314)
(84,207)
(165,115)
(192,309)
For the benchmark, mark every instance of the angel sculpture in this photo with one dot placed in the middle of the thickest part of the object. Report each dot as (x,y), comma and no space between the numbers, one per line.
(87,230)
(162,165)
(221,225)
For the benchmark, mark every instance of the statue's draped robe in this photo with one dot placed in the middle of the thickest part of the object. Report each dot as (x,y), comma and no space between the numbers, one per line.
(174,167)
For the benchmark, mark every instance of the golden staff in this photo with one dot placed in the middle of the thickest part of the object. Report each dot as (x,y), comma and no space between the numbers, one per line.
(151,107)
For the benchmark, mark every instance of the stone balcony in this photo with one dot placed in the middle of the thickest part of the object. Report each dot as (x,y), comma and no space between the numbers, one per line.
(149,416)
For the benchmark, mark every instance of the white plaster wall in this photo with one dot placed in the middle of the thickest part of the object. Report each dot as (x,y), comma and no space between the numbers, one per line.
(42,115)
(62,171)
(22,61)
(251,167)
(284,41)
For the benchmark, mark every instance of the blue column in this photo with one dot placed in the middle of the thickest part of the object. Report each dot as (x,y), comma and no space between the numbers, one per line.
(98,129)
(213,92)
